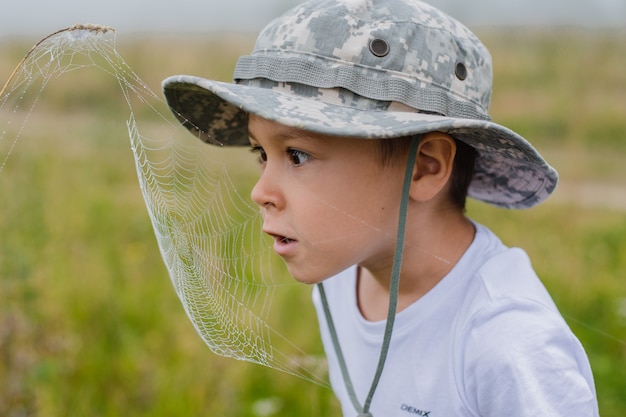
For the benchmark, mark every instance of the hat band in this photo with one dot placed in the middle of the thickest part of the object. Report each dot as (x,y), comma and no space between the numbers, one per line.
(316,72)
(336,96)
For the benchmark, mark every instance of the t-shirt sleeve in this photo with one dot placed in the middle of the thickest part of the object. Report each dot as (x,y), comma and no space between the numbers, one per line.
(519,358)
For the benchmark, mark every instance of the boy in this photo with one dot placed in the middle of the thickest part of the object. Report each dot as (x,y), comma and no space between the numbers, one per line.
(370,122)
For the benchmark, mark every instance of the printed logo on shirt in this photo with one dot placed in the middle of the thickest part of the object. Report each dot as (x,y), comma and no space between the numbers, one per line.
(414,411)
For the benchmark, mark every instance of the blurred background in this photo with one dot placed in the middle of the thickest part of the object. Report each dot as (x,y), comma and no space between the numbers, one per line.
(41,16)
(89,322)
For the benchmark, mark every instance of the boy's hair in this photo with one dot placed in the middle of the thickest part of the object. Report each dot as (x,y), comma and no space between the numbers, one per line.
(462,173)
(462,169)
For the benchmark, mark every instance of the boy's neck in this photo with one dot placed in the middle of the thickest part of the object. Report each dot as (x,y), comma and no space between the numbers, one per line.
(429,255)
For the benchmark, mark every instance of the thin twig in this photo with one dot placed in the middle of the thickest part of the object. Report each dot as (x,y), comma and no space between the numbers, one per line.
(88,26)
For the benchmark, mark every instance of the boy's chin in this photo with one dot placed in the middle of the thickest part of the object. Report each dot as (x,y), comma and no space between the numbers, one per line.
(306,278)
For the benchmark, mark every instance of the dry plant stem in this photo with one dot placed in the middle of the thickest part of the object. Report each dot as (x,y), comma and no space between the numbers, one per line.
(88,26)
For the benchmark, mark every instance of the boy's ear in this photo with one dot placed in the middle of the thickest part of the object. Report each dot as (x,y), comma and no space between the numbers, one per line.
(433,165)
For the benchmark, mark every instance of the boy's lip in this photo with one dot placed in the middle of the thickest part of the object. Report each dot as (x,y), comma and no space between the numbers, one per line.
(283,245)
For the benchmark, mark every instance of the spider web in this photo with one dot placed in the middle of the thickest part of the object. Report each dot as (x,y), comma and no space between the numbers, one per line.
(209,232)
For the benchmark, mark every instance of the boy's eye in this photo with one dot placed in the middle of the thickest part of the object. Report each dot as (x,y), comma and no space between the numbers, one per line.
(298,157)
(260,152)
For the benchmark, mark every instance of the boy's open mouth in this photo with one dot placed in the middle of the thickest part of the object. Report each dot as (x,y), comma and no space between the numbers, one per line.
(283,245)
(283,239)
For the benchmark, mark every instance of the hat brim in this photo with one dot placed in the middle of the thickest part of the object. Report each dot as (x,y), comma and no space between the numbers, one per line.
(509,172)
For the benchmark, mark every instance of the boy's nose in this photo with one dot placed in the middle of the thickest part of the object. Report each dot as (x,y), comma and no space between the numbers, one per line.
(266,192)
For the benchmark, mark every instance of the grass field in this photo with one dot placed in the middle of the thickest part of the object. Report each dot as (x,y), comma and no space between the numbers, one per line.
(90,324)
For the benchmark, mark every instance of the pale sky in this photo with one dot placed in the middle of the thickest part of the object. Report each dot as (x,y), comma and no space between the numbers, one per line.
(40,17)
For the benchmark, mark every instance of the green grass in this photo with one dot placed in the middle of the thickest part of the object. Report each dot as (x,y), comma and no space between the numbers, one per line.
(90,324)
(562,90)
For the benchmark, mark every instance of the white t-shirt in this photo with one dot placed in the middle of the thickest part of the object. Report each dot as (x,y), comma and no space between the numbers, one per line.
(486,341)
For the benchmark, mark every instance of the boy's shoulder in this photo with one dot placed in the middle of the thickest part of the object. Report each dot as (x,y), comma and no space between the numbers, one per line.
(510,274)
(503,279)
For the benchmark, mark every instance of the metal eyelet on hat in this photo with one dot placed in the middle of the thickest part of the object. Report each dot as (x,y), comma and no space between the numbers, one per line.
(460,71)
(379,47)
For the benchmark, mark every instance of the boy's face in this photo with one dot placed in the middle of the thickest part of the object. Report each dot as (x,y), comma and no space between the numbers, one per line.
(328,202)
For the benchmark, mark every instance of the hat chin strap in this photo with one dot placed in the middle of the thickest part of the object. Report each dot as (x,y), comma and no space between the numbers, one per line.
(363,411)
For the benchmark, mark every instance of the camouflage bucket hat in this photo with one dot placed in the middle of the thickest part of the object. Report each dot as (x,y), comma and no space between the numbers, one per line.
(369,69)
